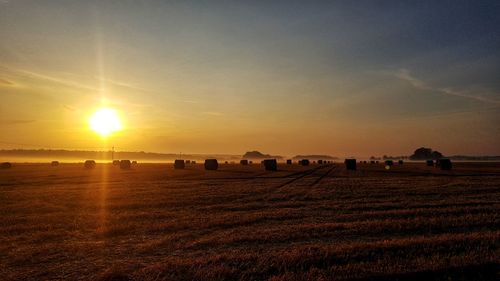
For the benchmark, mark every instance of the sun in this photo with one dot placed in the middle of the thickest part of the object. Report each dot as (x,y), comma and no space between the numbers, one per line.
(105,121)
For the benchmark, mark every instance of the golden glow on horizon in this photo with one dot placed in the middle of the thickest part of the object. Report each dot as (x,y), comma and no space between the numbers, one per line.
(105,121)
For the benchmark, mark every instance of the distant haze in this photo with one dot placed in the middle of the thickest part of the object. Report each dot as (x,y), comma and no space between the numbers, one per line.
(223,77)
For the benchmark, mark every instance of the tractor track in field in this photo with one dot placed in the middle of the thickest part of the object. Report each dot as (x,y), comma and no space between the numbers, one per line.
(323,176)
(302,175)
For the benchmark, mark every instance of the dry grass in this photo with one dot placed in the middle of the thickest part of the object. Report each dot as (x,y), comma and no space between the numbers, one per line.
(242,223)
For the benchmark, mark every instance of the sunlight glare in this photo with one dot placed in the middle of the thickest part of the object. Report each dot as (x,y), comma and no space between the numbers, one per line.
(105,121)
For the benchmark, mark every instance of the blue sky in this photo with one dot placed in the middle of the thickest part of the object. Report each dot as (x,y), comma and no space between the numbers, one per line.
(287,77)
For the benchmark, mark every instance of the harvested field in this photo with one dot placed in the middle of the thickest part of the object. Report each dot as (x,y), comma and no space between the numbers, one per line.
(318,222)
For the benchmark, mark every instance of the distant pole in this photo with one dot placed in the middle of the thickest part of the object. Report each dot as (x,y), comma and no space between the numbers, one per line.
(113,154)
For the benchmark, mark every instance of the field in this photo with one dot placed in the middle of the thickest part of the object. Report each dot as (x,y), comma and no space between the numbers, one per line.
(320,222)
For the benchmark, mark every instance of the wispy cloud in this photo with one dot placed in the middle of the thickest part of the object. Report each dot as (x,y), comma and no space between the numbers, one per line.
(212,113)
(53,79)
(16,121)
(5,82)
(404,74)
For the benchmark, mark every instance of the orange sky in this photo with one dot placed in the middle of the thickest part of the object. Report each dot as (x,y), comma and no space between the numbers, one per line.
(230,78)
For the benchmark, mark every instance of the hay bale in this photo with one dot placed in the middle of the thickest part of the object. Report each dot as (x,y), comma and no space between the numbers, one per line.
(304,162)
(400,162)
(320,162)
(289,162)
(116,162)
(271,164)
(445,164)
(225,162)
(250,162)
(125,164)
(211,164)
(6,165)
(389,163)
(134,162)
(54,163)
(376,162)
(179,164)
(350,164)
(372,162)
(244,162)
(429,163)
(193,162)
(188,161)
(89,164)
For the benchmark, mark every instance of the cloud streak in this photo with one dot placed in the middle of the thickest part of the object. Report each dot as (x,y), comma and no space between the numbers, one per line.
(5,82)
(405,75)
(16,121)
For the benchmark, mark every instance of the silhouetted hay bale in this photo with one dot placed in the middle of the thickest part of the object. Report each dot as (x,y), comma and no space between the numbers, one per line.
(271,164)
(445,164)
(116,162)
(314,162)
(400,162)
(125,164)
(350,164)
(389,163)
(211,164)
(250,162)
(376,162)
(320,161)
(289,162)
(179,164)
(244,162)
(89,164)
(134,162)
(188,161)
(225,162)
(193,162)
(372,162)
(304,162)
(6,165)
(54,163)
(429,163)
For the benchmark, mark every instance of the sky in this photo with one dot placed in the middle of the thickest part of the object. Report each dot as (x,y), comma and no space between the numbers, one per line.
(344,78)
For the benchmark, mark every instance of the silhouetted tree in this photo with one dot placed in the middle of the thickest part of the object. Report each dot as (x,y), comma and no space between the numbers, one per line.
(424,153)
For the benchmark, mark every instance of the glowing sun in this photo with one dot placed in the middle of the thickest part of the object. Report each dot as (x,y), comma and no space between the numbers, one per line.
(105,121)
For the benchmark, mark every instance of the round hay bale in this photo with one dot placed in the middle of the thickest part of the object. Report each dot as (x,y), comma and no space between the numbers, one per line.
(211,164)
(89,164)
(304,162)
(429,163)
(54,163)
(244,162)
(6,165)
(350,164)
(400,162)
(188,161)
(271,164)
(116,162)
(250,162)
(320,162)
(289,162)
(125,164)
(134,162)
(179,164)
(445,164)
(372,162)
(389,163)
